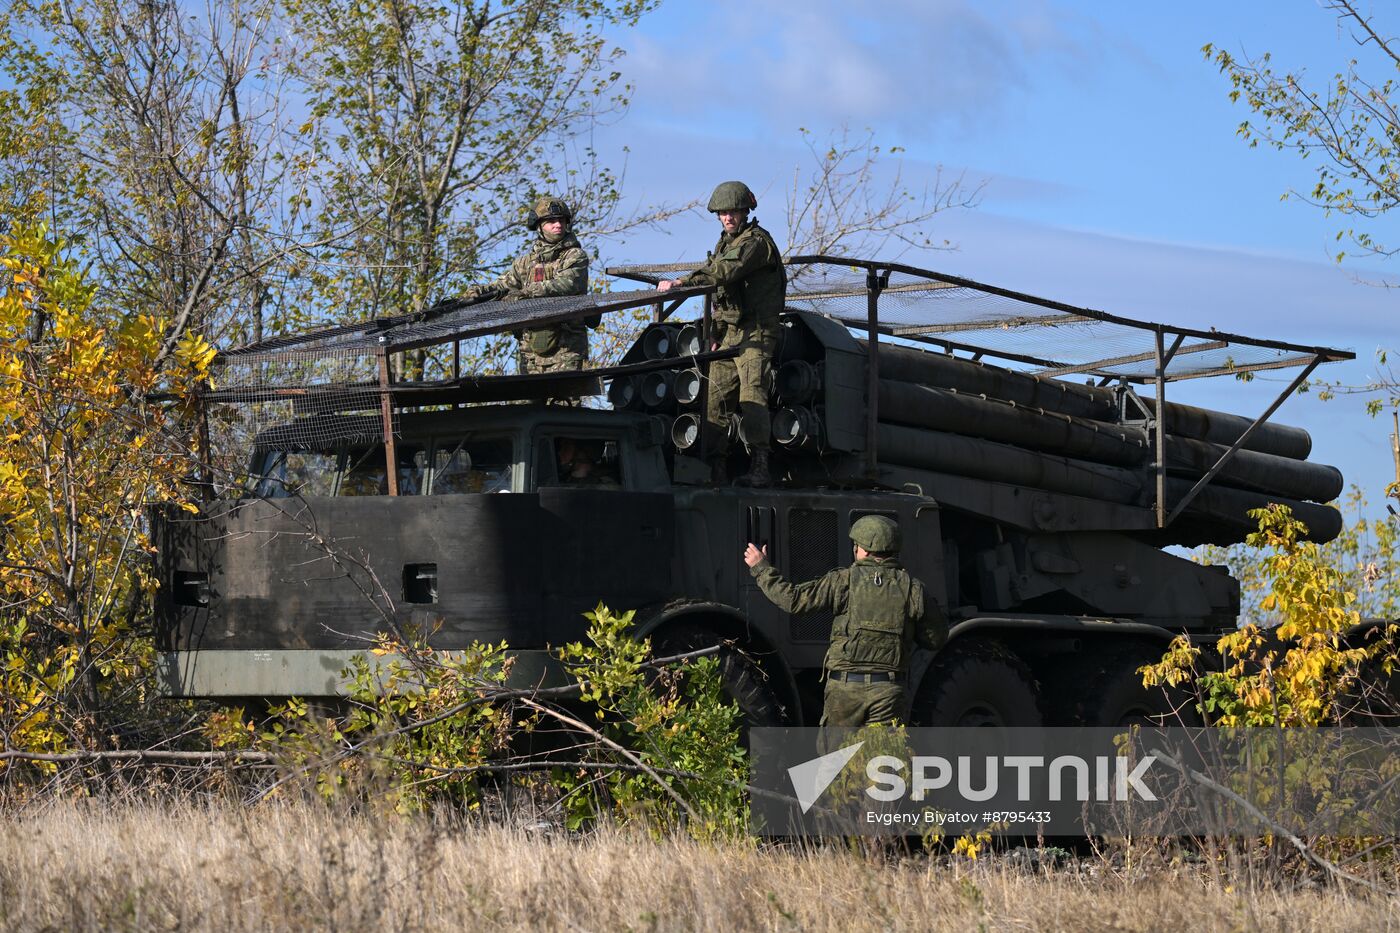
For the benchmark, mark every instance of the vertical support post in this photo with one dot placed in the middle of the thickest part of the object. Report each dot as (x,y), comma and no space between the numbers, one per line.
(206,457)
(1160,431)
(456,360)
(659,312)
(872,403)
(706,339)
(1395,444)
(386,414)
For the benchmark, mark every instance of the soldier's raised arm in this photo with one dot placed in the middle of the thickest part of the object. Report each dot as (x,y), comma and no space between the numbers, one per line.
(826,592)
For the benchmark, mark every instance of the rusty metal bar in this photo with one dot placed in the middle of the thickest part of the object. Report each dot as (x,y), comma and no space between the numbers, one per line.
(1047,320)
(1239,444)
(1251,368)
(1134,358)
(206,457)
(662,315)
(386,413)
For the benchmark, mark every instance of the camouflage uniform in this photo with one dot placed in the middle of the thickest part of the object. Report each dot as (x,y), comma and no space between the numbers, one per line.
(880,616)
(747,267)
(549,269)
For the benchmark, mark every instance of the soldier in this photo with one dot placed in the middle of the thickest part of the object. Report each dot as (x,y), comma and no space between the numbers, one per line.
(880,616)
(747,267)
(555,265)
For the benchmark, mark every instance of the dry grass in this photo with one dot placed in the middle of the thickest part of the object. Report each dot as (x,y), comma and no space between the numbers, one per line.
(70,867)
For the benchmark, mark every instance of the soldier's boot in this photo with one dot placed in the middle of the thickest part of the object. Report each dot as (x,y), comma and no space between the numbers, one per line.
(757,476)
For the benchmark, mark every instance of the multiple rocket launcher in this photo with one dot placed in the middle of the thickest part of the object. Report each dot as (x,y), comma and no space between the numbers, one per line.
(946,416)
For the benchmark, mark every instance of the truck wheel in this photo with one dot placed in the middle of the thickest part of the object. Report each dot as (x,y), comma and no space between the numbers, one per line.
(1120,699)
(744,681)
(980,687)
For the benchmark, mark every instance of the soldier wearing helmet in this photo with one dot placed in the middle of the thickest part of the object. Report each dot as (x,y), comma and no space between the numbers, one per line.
(880,617)
(554,265)
(747,268)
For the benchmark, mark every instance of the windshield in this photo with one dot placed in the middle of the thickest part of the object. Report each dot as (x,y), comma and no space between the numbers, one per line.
(365,475)
(472,465)
(295,473)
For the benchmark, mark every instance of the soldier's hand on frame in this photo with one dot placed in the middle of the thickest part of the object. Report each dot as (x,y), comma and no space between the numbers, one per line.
(665,285)
(753,556)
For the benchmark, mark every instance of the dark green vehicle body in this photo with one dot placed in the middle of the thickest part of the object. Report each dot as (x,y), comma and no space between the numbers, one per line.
(270,594)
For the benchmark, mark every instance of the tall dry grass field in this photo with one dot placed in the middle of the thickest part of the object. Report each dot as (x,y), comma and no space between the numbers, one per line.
(71,867)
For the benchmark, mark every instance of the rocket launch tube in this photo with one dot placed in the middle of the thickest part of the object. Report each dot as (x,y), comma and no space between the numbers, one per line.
(1114,444)
(906,364)
(968,456)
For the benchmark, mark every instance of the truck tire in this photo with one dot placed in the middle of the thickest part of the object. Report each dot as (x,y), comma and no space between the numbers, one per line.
(978,687)
(744,681)
(1120,699)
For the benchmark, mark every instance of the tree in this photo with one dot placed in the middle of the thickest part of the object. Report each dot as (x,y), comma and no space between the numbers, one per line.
(1298,665)
(81,456)
(1349,127)
(850,199)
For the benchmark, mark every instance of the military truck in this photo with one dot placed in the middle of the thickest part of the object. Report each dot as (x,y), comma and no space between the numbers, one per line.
(1039,496)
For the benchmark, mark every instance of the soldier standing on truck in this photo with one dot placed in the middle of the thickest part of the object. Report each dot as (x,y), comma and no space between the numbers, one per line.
(880,616)
(747,268)
(555,265)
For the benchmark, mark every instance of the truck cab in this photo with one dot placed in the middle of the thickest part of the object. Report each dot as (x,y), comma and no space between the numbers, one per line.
(511,521)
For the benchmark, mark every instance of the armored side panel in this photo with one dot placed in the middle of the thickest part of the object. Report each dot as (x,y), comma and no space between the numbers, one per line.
(331,573)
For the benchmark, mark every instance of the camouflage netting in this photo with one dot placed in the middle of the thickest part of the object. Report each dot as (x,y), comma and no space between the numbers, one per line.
(303,380)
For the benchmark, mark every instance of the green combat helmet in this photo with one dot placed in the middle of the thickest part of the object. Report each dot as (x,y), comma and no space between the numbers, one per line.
(548,209)
(732,196)
(876,533)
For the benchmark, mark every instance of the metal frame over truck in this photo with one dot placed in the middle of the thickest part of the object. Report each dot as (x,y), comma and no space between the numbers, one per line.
(1035,508)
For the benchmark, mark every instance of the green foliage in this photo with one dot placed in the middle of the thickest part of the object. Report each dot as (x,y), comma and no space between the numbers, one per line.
(1365,557)
(81,456)
(426,727)
(1301,671)
(1346,125)
(676,720)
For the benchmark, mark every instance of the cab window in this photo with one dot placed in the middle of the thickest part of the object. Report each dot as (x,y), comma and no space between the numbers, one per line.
(472,465)
(364,473)
(580,461)
(285,473)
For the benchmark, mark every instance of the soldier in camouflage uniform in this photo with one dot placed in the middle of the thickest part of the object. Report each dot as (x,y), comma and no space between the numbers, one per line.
(747,267)
(555,265)
(880,616)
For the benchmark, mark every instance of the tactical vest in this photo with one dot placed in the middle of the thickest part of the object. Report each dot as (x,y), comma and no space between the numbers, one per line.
(759,298)
(540,265)
(874,634)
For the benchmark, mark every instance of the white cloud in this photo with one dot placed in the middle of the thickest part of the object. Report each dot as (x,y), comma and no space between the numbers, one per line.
(918,68)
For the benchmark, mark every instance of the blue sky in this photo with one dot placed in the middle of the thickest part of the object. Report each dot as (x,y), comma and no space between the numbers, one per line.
(1113,175)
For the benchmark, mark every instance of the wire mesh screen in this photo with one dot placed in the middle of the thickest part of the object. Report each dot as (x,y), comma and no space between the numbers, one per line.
(1024,332)
(814,549)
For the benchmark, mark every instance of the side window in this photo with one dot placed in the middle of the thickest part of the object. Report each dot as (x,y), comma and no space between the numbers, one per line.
(285,473)
(472,465)
(582,461)
(364,473)
(813,549)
